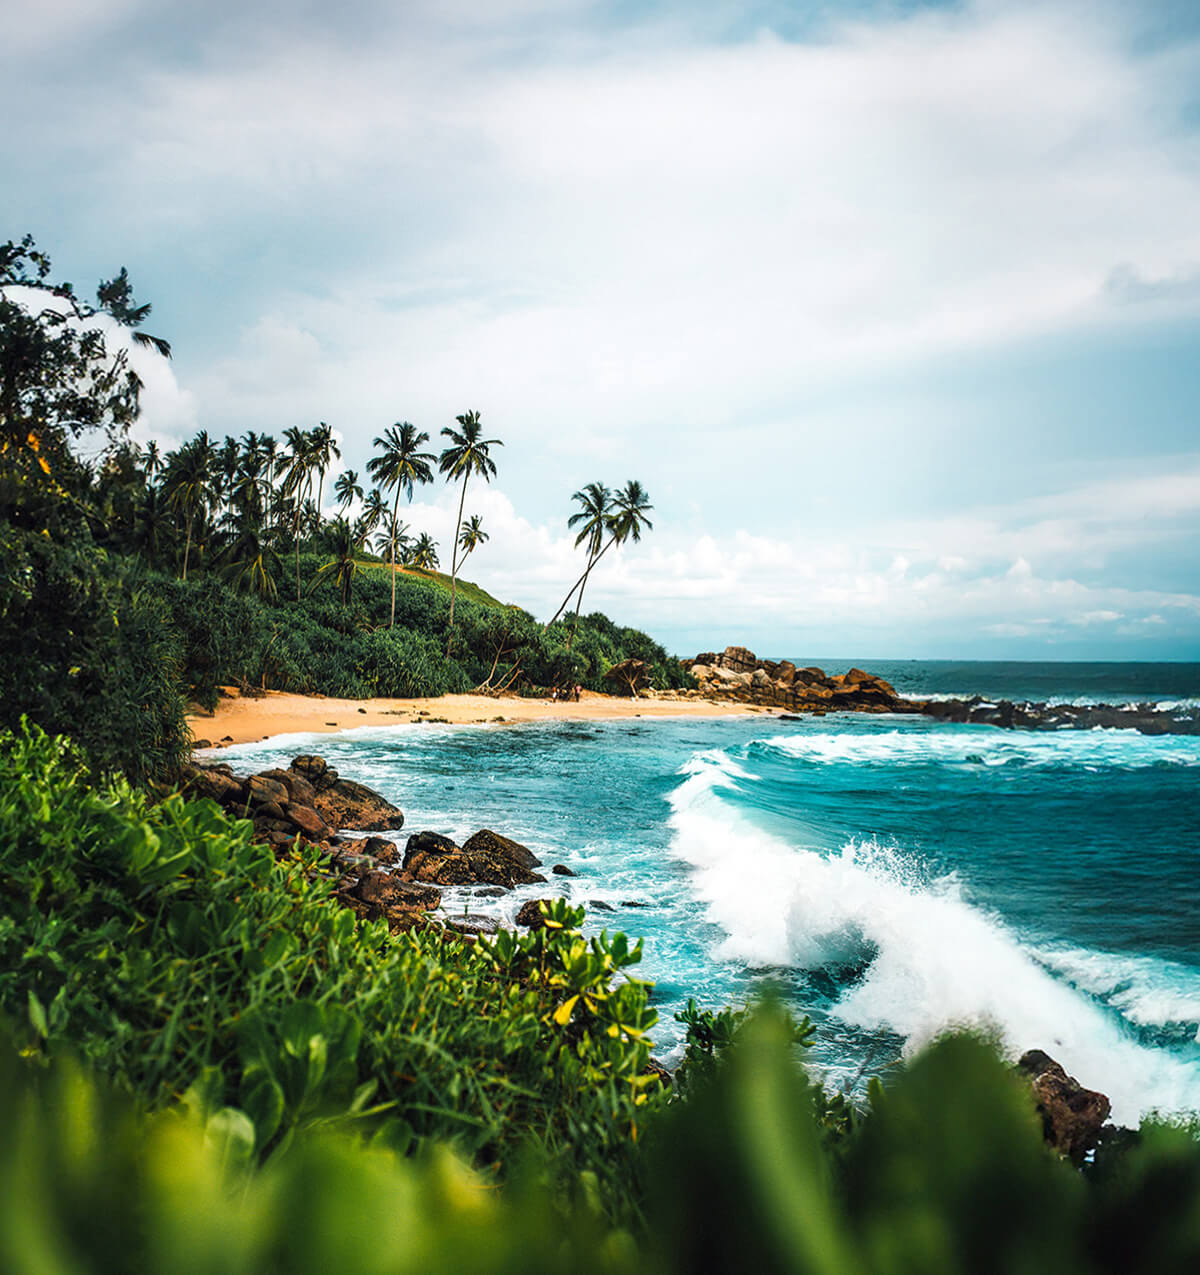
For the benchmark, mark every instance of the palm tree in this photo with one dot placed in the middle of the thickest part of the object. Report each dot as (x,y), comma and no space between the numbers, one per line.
(347,489)
(250,562)
(595,512)
(626,520)
(188,484)
(374,510)
(344,563)
(297,479)
(151,461)
(471,536)
(323,451)
(424,553)
(393,540)
(400,466)
(466,454)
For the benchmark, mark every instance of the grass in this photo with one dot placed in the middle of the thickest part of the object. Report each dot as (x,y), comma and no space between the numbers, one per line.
(466,589)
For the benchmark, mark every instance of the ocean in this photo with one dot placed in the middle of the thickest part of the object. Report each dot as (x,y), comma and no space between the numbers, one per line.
(892,876)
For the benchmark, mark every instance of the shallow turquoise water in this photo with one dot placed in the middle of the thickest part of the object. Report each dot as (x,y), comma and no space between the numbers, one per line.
(893,875)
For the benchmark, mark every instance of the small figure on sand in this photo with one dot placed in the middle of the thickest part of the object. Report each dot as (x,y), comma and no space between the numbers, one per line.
(578,692)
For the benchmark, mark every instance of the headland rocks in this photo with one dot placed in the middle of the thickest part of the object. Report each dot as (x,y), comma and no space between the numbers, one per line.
(738,674)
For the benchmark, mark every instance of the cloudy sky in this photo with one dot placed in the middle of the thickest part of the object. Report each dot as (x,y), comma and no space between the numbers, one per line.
(893,306)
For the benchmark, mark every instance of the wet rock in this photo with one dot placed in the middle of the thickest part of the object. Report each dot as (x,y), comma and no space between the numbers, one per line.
(380,849)
(315,769)
(354,807)
(598,905)
(530,914)
(429,843)
(472,924)
(654,1068)
(1072,1116)
(487,842)
(218,784)
(561,870)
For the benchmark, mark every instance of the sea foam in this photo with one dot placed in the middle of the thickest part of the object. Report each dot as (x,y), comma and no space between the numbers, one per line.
(930,960)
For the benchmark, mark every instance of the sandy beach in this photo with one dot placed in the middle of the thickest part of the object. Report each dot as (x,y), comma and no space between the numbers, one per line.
(245,719)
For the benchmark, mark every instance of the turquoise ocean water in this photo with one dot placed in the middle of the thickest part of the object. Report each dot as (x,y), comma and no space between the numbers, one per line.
(893,875)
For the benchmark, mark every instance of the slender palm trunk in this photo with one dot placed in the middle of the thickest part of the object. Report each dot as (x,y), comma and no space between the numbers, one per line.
(454,559)
(579,582)
(395,515)
(579,604)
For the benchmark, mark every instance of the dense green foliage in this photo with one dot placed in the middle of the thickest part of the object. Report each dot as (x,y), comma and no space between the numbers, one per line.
(163,947)
(946,1176)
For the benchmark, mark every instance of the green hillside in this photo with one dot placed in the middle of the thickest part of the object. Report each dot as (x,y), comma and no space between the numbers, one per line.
(467,590)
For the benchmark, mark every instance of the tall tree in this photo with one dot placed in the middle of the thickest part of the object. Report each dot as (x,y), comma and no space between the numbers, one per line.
(323,451)
(188,485)
(424,553)
(250,563)
(595,501)
(466,454)
(400,465)
(347,489)
(393,540)
(626,521)
(297,480)
(471,536)
(344,563)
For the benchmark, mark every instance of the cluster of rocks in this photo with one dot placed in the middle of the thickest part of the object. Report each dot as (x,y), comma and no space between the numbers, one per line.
(738,674)
(1146,718)
(309,801)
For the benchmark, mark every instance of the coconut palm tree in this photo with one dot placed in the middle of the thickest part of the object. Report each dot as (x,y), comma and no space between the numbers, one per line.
(250,562)
(466,454)
(344,563)
(424,553)
(151,461)
(297,481)
(626,521)
(595,501)
(392,541)
(400,465)
(323,451)
(374,511)
(188,484)
(347,489)
(471,536)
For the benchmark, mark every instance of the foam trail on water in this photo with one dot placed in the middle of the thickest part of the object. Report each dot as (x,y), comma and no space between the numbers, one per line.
(987,746)
(933,961)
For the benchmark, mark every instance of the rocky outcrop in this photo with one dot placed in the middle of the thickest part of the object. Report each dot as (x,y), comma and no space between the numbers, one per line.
(342,803)
(531,915)
(1072,1116)
(1149,719)
(487,858)
(738,674)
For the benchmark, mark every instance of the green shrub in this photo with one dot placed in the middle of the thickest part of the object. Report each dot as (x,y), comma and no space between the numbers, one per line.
(164,948)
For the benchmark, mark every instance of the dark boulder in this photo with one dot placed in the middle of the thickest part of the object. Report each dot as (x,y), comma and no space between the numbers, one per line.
(427,843)
(354,807)
(1072,1116)
(487,842)
(531,915)
(561,870)
(260,791)
(390,891)
(307,820)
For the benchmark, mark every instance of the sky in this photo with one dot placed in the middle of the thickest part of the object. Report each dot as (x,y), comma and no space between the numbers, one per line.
(893,307)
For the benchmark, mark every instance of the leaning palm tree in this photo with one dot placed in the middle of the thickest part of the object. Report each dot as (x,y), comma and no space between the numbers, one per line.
(400,465)
(424,553)
(466,454)
(471,536)
(595,512)
(626,521)
(347,489)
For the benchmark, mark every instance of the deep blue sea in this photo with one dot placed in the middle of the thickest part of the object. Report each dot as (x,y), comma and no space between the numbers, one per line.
(894,876)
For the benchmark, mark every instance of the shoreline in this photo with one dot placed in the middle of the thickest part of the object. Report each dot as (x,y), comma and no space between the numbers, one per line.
(240,719)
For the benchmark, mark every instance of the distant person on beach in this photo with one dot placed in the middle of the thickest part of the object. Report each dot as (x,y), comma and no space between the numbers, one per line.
(578,692)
